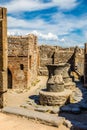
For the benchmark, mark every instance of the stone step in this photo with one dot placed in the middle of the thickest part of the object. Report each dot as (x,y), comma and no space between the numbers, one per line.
(44,118)
(49,109)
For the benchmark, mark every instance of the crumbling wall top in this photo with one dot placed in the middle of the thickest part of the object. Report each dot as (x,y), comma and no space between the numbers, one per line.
(20,45)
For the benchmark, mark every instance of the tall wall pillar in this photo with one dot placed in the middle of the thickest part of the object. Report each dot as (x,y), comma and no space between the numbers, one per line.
(3,57)
(85,65)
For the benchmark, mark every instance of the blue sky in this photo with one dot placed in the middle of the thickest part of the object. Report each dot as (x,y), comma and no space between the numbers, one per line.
(55,22)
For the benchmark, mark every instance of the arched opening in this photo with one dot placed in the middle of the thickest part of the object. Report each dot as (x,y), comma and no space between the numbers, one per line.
(9,79)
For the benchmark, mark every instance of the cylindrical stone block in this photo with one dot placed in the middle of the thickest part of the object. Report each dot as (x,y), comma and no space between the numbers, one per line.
(53,99)
(55,87)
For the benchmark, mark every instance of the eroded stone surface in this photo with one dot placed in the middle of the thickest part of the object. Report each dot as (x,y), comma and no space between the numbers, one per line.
(76,96)
(45,118)
(23,61)
(56,54)
(52,98)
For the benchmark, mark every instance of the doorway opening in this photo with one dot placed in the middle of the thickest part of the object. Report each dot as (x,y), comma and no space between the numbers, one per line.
(9,79)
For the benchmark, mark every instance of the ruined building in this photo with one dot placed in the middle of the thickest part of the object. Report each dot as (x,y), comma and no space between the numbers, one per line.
(18,60)
(3,56)
(22,61)
(56,54)
(23,57)
(25,60)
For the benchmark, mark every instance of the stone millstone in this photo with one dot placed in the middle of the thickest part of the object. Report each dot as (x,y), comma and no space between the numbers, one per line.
(55,87)
(52,98)
(55,84)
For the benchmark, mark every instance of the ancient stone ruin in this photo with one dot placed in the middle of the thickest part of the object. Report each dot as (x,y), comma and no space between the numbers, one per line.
(26,61)
(56,54)
(22,61)
(59,86)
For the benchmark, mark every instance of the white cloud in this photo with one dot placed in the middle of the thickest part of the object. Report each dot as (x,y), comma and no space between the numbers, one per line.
(40,35)
(66,4)
(24,24)
(49,36)
(63,25)
(33,5)
(62,40)
(25,5)
(15,33)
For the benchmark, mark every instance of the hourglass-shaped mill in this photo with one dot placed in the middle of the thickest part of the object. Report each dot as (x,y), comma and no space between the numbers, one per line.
(68,83)
(59,85)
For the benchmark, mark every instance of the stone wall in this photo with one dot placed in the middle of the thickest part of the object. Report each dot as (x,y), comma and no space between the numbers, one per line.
(22,61)
(18,46)
(79,61)
(57,54)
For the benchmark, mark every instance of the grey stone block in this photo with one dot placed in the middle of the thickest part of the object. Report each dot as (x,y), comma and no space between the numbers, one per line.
(44,118)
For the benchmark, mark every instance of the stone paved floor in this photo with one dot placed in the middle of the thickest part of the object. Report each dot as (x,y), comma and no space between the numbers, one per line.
(75,118)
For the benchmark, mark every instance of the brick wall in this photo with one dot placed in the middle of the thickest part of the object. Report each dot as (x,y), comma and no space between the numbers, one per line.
(22,60)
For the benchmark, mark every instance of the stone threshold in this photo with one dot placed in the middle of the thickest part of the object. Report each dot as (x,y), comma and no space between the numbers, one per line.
(44,118)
